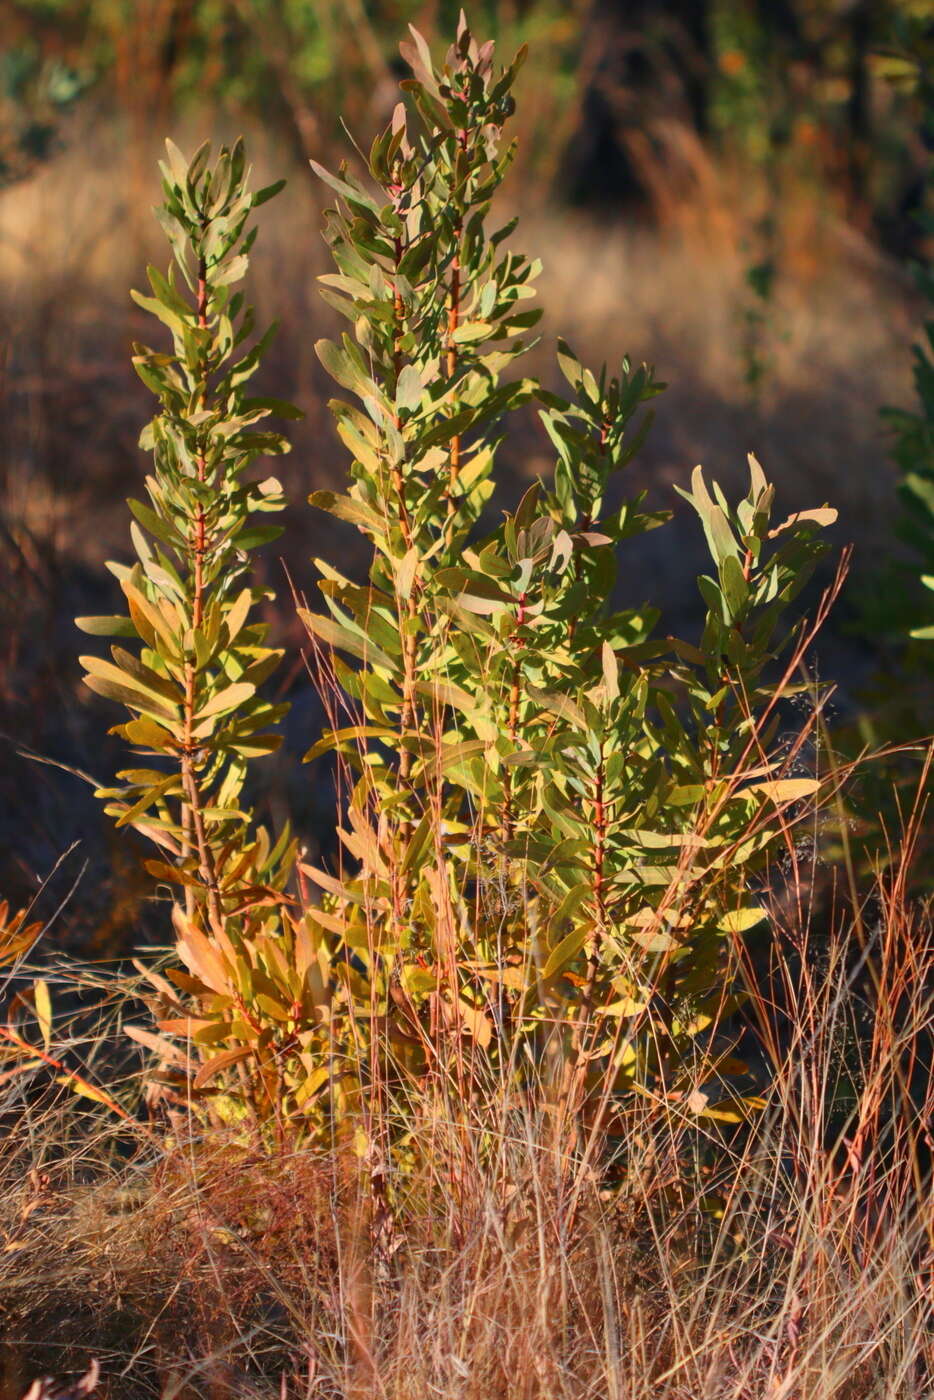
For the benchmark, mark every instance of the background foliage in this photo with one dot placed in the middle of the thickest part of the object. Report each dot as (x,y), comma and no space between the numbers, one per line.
(613,87)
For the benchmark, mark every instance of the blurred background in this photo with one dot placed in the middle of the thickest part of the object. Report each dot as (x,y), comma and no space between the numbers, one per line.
(731,189)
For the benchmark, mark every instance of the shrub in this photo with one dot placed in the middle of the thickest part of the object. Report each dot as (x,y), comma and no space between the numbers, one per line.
(907,62)
(557,823)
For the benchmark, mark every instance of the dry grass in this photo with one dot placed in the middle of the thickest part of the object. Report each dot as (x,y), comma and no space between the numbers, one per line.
(792,1259)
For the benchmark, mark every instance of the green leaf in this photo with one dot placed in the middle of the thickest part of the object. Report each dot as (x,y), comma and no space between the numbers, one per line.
(227,699)
(349,509)
(133,699)
(268,192)
(405,573)
(735,588)
(280,407)
(333,634)
(353,734)
(352,193)
(409,389)
(566,951)
(471,331)
(106,626)
(237,614)
(171,783)
(741,920)
(784,789)
(163,313)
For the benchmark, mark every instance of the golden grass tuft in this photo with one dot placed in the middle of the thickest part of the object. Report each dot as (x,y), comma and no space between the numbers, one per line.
(789,1260)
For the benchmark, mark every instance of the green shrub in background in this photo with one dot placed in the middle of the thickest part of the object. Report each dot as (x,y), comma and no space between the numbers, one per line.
(891,608)
(908,63)
(785,91)
(914,455)
(37,91)
(557,825)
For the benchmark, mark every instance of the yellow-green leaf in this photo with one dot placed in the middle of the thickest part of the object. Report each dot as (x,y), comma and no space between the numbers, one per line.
(227,699)
(785,789)
(740,920)
(42,1003)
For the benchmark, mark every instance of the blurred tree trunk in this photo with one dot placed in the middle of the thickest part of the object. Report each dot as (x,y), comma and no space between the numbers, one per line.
(643,62)
(859,111)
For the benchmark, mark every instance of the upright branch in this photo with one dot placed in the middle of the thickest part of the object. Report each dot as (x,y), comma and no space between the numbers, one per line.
(435,309)
(192,688)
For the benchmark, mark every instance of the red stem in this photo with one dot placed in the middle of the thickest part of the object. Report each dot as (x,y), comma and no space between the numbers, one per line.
(192,815)
(515,697)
